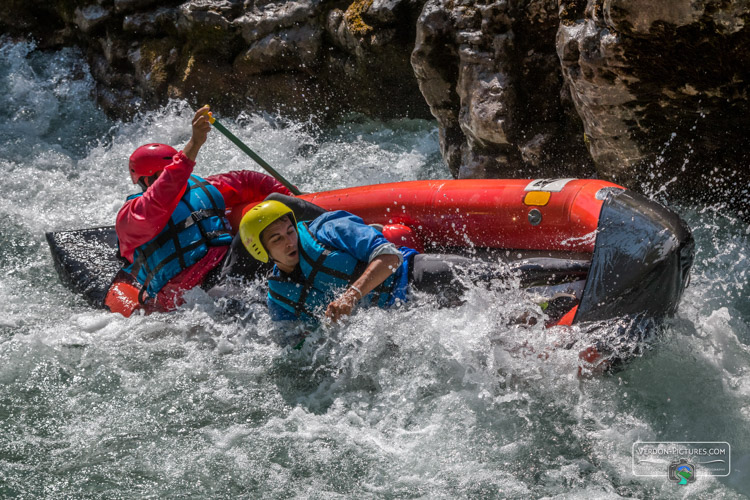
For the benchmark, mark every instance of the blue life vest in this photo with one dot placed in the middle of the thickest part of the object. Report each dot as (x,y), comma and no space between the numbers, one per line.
(197,222)
(327,272)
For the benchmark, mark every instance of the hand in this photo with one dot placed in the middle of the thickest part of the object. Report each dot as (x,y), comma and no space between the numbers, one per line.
(342,306)
(201,126)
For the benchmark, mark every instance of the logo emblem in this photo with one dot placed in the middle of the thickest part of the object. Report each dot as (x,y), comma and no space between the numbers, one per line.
(548,185)
(681,472)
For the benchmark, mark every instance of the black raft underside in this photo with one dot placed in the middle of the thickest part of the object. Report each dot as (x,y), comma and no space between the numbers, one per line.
(641,262)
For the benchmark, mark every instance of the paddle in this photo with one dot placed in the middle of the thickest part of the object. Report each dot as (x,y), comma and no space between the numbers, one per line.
(260,161)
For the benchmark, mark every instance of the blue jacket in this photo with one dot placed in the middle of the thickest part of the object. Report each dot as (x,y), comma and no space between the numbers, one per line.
(335,249)
(196,223)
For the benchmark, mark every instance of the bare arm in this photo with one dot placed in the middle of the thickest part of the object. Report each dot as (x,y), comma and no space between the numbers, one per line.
(379,269)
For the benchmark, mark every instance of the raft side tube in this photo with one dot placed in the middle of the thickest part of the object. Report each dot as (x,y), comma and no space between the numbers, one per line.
(486,213)
(641,262)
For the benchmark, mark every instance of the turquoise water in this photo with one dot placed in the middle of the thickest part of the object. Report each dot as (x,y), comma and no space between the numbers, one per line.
(416,403)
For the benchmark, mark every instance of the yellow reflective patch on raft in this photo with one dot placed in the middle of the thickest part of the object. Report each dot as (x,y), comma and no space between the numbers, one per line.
(537,198)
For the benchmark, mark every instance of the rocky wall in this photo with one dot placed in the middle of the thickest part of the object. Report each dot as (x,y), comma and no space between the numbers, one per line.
(299,58)
(492,78)
(662,89)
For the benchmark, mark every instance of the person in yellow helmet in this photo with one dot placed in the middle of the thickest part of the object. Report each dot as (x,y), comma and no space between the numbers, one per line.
(327,266)
(240,263)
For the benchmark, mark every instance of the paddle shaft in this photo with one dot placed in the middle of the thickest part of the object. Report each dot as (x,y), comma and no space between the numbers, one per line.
(260,161)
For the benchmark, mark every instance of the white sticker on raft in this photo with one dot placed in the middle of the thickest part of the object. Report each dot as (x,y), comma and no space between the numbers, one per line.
(550,185)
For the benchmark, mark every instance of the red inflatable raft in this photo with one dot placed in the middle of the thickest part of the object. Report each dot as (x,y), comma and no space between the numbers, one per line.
(639,252)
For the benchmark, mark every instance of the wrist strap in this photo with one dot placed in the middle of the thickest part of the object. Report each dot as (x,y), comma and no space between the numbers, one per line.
(356,289)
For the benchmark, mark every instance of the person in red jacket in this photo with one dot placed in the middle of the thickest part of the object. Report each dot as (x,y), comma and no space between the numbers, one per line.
(174,235)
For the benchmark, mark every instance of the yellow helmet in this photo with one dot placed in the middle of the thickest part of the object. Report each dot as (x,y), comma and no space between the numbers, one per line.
(256,220)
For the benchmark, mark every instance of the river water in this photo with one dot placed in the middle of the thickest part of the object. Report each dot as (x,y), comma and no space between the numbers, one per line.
(416,403)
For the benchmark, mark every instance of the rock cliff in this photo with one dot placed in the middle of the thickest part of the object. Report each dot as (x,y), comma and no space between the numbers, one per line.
(492,78)
(656,91)
(662,89)
(298,57)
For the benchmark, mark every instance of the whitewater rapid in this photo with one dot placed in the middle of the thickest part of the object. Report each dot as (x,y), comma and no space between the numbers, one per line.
(416,403)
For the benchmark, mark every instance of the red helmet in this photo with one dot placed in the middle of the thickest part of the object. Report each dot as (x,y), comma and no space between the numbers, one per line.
(149,159)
